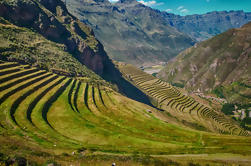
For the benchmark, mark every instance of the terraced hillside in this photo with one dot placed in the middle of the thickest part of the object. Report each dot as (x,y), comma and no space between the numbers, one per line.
(184,107)
(220,65)
(45,113)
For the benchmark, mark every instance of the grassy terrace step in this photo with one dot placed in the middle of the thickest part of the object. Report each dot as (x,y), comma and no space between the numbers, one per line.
(24,109)
(86,96)
(100,105)
(8,71)
(52,99)
(22,113)
(25,84)
(79,99)
(36,86)
(62,114)
(99,100)
(8,77)
(186,104)
(157,91)
(195,107)
(124,108)
(169,98)
(101,123)
(91,101)
(39,117)
(20,79)
(13,69)
(16,94)
(181,101)
(7,65)
(40,95)
(173,100)
(70,95)
(186,107)
(112,113)
(75,98)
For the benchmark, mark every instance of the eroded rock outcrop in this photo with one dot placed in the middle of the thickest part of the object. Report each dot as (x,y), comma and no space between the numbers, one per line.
(51,19)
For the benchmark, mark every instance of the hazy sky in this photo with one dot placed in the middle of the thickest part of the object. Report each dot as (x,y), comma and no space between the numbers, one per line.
(186,7)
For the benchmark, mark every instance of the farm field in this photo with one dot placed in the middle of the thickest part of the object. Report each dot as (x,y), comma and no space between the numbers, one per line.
(65,100)
(169,98)
(54,115)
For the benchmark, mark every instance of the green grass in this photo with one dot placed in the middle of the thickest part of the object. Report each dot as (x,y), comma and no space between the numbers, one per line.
(23,45)
(56,115)
(168,98)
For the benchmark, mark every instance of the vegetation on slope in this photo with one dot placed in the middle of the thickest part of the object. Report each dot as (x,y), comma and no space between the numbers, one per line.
(23,45)
(47,114)
(52,20)
(130,31)
(44,34)
(184,107)
(220,65)
(37,108)
(139,35)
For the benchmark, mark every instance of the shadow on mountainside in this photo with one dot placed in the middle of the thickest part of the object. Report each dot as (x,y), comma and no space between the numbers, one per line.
(113,75)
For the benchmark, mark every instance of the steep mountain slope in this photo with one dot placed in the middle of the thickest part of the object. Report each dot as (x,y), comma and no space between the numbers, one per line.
(130,31)
(43,33)
(23,45)
(68,114)
(137,34)
(48,117)
(221,64)
(182,106)
(52,20)
(205,26)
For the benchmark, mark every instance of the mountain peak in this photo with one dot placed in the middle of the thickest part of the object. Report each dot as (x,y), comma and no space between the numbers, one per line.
(101,1)
(96,1)
(127,1)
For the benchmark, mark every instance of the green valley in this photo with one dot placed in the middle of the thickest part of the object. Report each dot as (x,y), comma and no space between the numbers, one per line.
(63,101)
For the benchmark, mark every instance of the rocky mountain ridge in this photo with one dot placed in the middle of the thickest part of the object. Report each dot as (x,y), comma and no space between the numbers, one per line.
(220,65)
(52,20)
(204,26)
(44,34)
(134,33)
(130,31)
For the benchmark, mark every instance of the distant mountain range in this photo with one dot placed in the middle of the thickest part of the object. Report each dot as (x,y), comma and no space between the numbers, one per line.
(43,33)
(134,33)
(63,101)
(130,31)
(220,65)
(205,26)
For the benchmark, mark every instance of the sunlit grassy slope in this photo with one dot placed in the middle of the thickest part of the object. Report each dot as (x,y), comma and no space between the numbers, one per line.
(53,114)
(183,107)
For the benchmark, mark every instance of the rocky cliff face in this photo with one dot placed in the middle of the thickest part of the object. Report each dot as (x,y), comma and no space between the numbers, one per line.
(44,34)
(130,31)
(220,65)
(51,19)
(137,34)
(205,26)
